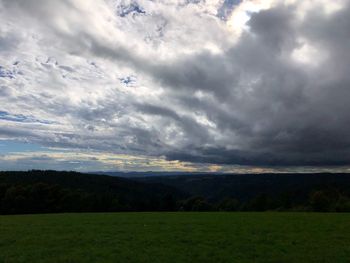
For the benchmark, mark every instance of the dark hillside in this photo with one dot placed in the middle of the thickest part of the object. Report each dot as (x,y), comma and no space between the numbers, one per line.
(296,187)
(71,191)
(53,192)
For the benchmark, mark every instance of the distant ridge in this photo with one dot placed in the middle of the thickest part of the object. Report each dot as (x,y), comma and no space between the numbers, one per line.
(132,174)
(245,186)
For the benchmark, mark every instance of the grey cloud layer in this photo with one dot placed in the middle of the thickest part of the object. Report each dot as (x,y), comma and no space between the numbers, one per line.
(252,103)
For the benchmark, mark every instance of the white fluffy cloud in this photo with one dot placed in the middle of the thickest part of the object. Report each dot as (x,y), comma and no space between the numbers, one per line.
(225,82)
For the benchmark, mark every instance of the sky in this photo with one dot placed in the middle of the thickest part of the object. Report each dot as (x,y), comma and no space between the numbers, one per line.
(178,85)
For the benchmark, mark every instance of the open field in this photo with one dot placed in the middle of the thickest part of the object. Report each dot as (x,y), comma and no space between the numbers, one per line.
(176,237)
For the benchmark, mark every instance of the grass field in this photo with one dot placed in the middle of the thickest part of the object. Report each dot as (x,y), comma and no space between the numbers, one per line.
(176,237)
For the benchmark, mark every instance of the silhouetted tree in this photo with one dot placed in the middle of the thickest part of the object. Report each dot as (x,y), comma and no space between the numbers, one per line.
(228,204)
(320,201)
(196,204)
(168,203)
(261,202)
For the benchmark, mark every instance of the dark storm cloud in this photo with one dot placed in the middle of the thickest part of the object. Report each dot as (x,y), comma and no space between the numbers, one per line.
(253,103)
(197,134)
(293,114)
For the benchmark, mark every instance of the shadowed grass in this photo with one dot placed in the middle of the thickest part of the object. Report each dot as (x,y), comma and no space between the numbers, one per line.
(176,237)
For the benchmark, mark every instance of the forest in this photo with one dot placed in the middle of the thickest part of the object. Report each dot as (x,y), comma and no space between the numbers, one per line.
(56,192)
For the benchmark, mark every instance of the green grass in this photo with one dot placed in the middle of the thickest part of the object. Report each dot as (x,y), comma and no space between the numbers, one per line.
(176,237)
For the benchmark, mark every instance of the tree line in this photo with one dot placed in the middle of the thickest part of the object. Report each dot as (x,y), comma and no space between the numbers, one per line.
(46,198)
(331,200)
(56,192)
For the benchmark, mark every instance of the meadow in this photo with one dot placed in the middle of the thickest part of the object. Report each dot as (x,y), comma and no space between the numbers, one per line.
(176,237)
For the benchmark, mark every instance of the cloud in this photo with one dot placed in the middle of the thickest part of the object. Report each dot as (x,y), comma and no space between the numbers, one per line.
(20,118)
(256,83)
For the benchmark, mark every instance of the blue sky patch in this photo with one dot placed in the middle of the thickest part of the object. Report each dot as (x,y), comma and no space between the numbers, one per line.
(132,8)
(226,9)
(128,80)
(4,115)
(4,73)
(11,146)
